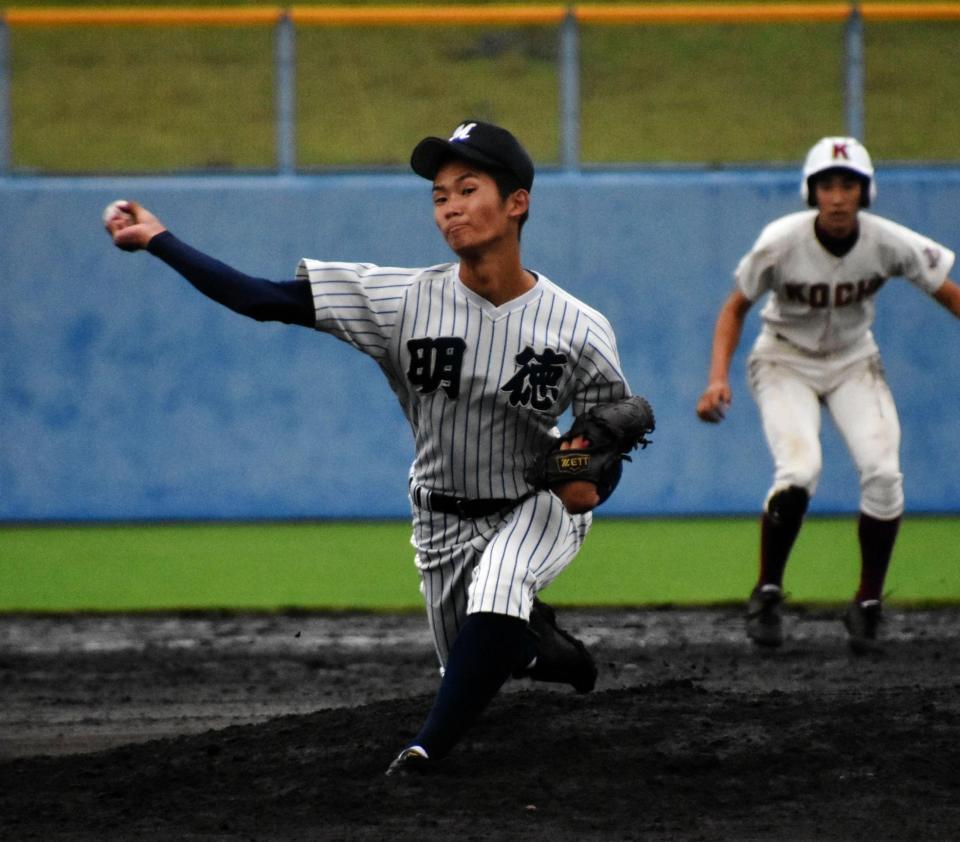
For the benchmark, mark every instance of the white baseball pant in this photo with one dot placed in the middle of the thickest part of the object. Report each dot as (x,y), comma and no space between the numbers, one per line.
(491,564)
(789,391)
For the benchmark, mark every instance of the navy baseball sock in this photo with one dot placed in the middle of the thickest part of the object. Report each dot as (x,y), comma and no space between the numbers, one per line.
(877,538)
(487,650)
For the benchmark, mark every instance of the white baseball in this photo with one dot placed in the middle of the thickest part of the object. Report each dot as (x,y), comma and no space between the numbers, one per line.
(114,209)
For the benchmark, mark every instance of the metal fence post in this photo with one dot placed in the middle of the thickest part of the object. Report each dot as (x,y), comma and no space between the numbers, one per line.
(570,92)
(854,81)
(6,129)
(285,94)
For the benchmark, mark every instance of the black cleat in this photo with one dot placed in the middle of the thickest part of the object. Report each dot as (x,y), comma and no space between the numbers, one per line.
(764,619)
(862,620)
(411,762)
(560,656)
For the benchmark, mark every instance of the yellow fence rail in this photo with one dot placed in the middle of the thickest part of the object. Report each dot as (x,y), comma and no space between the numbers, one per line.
(567,18)
(492,15)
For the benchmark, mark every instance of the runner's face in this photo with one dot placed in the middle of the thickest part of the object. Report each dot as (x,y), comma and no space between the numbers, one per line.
(468,209)
(838,199)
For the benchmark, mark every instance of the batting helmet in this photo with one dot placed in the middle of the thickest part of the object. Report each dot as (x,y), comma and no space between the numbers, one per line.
(838,153)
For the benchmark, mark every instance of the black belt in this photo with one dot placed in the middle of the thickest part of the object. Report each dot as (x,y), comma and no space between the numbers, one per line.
(461,506)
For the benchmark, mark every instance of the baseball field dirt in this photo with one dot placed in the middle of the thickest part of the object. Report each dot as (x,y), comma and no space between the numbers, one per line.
(280,727)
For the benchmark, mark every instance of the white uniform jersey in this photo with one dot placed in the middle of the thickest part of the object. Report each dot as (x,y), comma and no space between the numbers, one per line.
(482,386)
(823,304)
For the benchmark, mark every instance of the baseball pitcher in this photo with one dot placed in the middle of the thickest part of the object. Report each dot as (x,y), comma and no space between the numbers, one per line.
(484,356)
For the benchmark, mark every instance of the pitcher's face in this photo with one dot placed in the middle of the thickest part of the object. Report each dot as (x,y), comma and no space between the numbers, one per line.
(469,210)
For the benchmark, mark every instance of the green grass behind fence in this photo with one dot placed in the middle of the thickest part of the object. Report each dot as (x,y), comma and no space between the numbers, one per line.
(369,565)
(127,99)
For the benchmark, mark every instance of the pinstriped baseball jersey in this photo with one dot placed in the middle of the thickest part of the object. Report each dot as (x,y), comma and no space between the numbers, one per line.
(482,386)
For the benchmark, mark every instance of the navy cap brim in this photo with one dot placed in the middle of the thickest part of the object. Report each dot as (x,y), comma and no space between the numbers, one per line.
(432,152)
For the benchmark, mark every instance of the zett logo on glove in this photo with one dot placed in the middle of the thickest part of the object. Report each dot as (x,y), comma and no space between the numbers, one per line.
(573,464)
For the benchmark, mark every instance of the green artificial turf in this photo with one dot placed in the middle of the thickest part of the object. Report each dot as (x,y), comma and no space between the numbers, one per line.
(369,565)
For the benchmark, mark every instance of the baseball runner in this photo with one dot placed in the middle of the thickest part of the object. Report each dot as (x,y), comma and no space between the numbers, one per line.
(822,269)
(484,356)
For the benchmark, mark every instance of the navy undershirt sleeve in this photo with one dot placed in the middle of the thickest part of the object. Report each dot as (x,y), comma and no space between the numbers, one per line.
(266,301)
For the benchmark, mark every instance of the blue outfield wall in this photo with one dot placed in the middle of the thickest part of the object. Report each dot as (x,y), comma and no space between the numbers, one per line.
(126,395)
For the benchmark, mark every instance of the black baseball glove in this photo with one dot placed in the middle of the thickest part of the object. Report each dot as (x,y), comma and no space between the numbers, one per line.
(612,430)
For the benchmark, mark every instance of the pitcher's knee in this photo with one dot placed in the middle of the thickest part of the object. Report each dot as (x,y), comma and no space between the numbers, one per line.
(881,495)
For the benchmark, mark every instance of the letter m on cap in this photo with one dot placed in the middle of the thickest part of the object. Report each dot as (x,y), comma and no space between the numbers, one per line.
(462,132)
(840,151)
